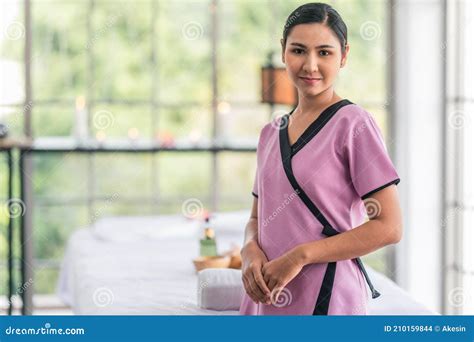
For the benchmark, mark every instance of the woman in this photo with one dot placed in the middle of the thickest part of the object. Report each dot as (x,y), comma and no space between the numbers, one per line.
(320,170)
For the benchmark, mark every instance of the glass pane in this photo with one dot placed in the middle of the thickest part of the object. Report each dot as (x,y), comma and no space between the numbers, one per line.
(187,123)
(243,123)
(12,118)
(236,176)
(118,121)
(59,50)
(53,120)
(121,45)
(367,32)
(184,176)
(60,176)
(377,260)
(244,25)
(467,299)
(52,228)
(467,30)
(3,221)
(119,176)
(467,236)
(12,42)
(463,121)
(380,115)
(184,51)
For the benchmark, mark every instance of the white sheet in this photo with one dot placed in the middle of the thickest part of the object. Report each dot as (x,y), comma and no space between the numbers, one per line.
(133,269)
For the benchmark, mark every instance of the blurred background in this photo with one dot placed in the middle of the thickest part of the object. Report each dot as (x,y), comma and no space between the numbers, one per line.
(189,72)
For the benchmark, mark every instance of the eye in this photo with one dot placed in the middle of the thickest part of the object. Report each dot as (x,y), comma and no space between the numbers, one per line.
(297,51)
(324,53)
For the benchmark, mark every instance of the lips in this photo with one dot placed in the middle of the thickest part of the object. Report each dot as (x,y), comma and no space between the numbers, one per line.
(311,80)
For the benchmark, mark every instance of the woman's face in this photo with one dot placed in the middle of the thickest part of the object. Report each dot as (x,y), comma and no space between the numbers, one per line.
(313,58)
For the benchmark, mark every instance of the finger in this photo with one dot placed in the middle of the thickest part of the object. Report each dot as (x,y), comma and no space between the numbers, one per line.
(261,283)
(266,278)
(272,285)
(263,287)
(256,290)
(251,290)
(279,289)
(248,289)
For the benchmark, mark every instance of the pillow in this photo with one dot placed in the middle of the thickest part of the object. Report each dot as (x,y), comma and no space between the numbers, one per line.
(220,289)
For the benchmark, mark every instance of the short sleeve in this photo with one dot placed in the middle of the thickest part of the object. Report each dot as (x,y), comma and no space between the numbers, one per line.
(371,168)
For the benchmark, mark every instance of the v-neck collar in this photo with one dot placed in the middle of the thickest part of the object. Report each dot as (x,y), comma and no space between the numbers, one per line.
(311,131)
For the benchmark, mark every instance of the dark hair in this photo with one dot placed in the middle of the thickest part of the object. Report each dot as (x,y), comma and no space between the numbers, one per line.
(317,12)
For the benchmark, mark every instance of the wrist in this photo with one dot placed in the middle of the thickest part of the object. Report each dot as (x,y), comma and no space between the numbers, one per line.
(299,255)
(249,244)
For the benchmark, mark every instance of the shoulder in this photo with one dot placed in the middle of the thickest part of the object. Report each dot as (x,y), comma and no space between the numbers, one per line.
(353,115)
(353,119)
(271,128)
(355,126)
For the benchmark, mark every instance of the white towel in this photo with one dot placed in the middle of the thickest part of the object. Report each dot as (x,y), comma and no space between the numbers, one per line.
(220,289)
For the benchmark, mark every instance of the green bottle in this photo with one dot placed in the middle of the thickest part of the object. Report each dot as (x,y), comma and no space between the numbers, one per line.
(208,246)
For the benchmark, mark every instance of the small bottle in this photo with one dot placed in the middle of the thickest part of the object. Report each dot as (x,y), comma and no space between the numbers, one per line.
(208,246)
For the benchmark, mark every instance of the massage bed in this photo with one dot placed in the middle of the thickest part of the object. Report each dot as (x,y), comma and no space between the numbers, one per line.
(143,266)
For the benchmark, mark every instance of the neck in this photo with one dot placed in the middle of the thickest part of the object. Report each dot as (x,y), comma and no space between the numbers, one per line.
(311,105)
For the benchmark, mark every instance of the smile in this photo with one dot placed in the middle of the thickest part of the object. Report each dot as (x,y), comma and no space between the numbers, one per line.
(310,80)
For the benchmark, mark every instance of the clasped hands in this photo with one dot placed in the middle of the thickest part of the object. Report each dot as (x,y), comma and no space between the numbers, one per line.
(264,280)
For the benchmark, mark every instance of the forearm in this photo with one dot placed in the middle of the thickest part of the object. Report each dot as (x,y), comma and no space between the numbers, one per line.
(251,231)
(362,240)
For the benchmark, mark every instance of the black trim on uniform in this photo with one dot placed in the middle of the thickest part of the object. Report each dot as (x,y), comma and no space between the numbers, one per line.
(367,195)
(254,194)
(313,129)
(324,297)
(287,152)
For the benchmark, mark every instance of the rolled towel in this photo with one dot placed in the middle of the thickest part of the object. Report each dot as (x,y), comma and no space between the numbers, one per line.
(220,289)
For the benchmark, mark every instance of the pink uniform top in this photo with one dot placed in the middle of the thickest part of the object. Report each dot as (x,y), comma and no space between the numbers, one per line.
(337,163)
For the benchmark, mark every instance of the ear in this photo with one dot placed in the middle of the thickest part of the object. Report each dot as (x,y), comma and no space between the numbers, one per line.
(344,56)
(282,51)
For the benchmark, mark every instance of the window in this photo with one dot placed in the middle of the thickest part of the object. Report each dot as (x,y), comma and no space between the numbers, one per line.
(459,205)
(127,71)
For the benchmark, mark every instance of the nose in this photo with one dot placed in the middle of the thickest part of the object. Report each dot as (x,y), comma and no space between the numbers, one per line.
(310,65)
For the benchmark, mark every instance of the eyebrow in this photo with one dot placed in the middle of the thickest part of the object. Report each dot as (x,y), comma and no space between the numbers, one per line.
(324,46)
